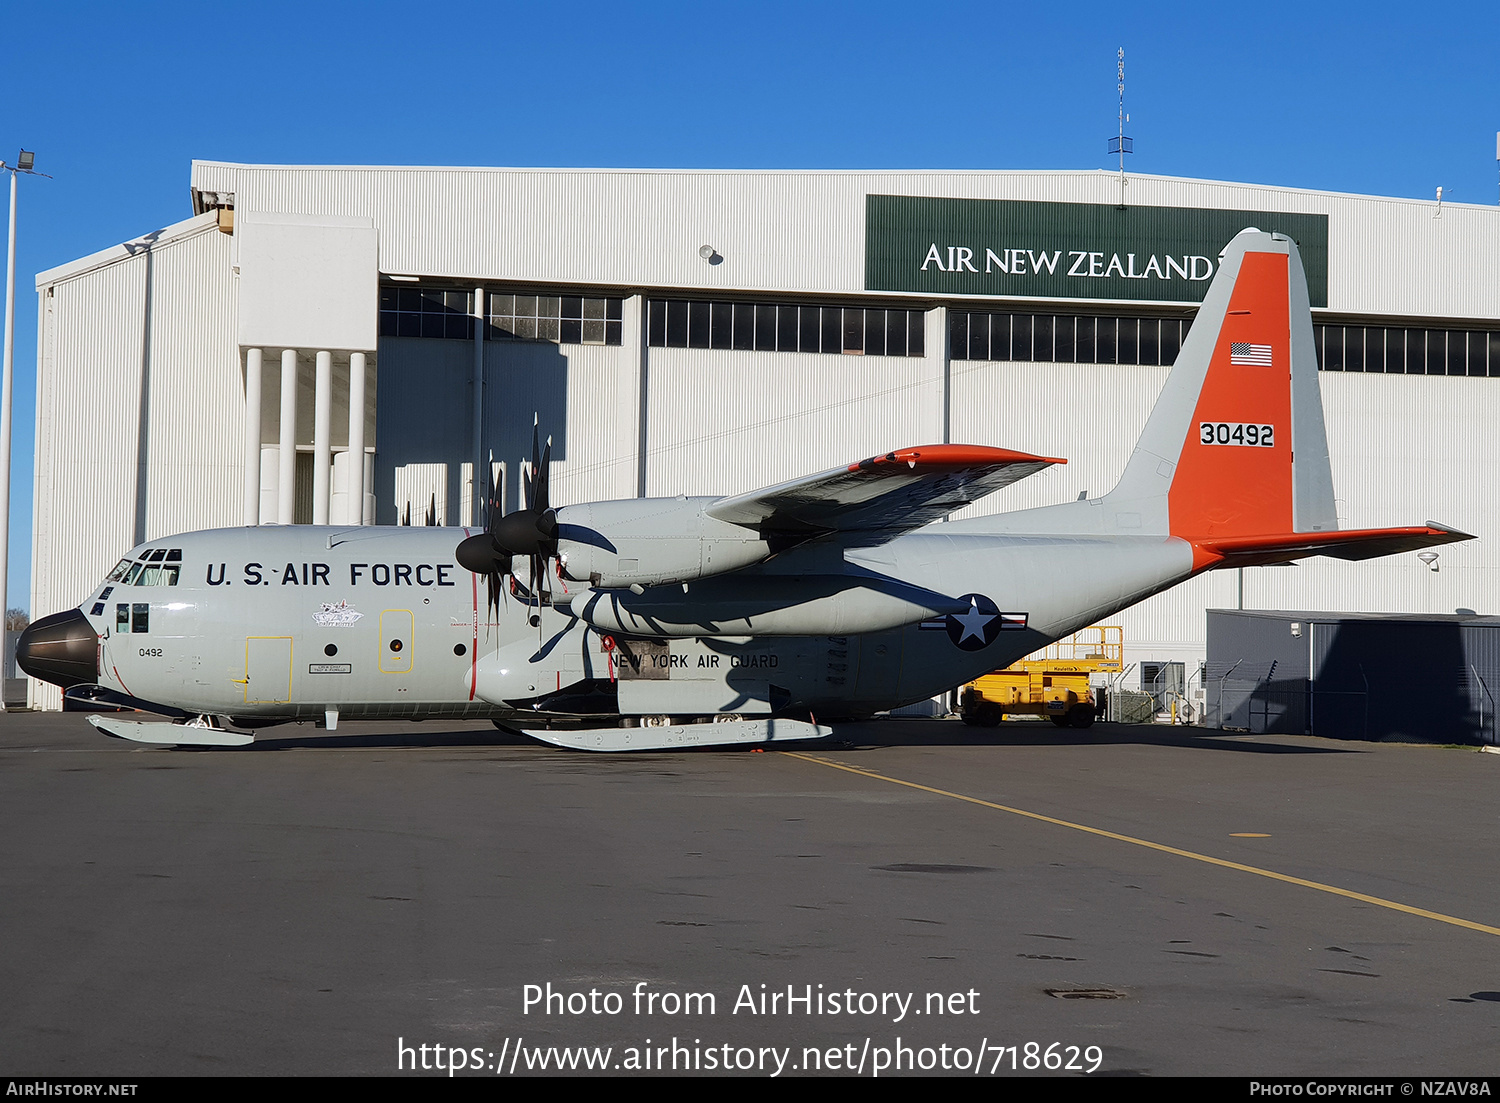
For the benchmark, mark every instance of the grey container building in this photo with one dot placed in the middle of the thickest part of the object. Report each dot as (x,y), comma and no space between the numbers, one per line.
(1353,675)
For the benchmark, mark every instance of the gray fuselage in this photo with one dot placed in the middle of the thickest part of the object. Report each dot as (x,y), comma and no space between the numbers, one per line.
(270,624)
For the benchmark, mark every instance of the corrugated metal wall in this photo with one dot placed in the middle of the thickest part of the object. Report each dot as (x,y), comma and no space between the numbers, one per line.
(724,422)
(420,416)
(583,396)
(194,450)
(804,231)
(125,453)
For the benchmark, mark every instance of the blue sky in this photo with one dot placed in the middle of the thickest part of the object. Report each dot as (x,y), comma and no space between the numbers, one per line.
(117,99)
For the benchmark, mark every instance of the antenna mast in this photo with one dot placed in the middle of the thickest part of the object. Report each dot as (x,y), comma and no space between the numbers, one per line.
(1122,145)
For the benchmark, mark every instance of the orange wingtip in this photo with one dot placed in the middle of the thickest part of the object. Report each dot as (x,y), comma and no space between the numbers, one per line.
(953,455)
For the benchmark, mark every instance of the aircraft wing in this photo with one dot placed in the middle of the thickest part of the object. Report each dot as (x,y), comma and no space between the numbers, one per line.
(892,493)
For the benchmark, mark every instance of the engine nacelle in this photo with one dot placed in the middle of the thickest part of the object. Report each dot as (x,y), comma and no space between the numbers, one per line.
(651,542)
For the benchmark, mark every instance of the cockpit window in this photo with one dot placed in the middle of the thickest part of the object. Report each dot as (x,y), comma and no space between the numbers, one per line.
(157,567)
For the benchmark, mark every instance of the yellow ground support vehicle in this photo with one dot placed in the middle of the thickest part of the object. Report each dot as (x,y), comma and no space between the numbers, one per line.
(1053,683)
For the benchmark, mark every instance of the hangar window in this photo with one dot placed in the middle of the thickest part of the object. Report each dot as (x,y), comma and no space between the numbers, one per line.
(1396,350)
(448,313)
(1064,338)
(784,327)
(426,312)
(565,319)
(1067,339)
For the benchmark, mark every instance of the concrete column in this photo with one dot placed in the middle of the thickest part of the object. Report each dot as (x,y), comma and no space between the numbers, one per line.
(356,495)
(634,335)
(322,436)
(368,517)
(936,352)
(286,483)
(252,435)
(473,508)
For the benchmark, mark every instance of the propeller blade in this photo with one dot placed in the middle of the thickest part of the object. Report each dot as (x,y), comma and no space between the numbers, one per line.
(530,531)
(493,587)
(491,507)
(536,464)
(542,504)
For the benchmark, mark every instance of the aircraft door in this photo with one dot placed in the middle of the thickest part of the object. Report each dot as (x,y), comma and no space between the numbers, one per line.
(268,670)
(395,641)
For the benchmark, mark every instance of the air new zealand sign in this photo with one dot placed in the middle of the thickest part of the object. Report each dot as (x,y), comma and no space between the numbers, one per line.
(1008,247)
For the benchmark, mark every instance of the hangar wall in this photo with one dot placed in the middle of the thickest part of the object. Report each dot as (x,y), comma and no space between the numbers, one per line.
(804,232)
(138,369)
(142,410)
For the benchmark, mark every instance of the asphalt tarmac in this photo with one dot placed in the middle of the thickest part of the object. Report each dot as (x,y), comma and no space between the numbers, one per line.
(933,898)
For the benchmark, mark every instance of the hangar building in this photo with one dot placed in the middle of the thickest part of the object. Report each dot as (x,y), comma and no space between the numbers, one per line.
(698,332)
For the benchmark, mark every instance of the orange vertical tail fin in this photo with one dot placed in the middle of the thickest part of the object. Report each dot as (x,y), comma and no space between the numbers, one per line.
(1234,458)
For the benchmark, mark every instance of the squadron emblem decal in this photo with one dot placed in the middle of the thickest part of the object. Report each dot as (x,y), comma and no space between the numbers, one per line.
(339,614)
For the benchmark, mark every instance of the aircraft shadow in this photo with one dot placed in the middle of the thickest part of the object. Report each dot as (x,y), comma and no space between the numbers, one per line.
(851,736)
(952,733)
(418,735)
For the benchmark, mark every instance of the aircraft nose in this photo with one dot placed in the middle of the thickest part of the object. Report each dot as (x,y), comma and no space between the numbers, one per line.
(62,649)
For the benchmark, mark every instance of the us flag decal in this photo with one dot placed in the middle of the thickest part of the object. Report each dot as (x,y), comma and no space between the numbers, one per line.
(1255,356)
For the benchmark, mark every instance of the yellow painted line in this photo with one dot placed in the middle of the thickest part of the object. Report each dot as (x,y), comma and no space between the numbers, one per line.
(1272,874)
(1248,835)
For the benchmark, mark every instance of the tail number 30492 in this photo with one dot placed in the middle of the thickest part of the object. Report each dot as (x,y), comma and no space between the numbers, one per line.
(1225,432)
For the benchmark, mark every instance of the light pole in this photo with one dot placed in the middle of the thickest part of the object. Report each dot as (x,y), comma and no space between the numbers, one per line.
(24,163)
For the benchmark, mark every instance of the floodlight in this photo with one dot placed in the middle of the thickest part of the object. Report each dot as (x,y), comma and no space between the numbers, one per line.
(25,160)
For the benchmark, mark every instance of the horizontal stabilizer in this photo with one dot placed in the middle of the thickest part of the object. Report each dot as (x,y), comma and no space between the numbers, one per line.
(896,492)
(1249,551)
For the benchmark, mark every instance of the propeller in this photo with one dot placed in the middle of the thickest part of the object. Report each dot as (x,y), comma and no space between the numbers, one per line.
(530,531)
